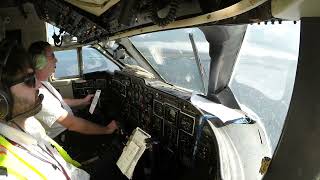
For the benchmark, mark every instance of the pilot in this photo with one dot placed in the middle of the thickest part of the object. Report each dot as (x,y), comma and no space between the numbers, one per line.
(56,114)
(26,152)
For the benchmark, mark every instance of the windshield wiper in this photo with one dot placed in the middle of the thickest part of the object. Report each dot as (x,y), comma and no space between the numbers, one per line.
(198,62)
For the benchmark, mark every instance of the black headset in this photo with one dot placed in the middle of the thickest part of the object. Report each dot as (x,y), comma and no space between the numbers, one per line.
(5,95)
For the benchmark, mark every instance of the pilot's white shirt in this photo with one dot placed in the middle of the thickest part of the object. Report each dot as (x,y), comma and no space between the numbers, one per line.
(53,107)
(32,141)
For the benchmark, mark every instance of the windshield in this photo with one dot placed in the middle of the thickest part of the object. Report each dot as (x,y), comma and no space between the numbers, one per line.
(264,74)
(172,56)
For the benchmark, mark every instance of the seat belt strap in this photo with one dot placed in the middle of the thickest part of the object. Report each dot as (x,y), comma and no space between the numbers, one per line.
(7,162)
(64,153)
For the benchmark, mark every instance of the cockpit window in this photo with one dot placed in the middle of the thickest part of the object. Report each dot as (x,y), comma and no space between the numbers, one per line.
(171,54)
(67,65)
(93,61)
(264,74)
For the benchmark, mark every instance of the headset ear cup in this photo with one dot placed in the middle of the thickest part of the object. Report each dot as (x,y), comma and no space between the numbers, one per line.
(40,61)
(5,104)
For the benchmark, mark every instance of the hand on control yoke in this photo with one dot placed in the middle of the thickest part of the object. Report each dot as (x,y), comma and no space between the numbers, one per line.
(111,127)
(87,100)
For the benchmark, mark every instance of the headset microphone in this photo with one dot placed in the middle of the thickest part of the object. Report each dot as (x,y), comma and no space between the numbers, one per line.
(32,111)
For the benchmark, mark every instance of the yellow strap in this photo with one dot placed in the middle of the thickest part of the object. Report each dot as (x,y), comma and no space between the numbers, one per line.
(16,174)
(10,163)
(64,153)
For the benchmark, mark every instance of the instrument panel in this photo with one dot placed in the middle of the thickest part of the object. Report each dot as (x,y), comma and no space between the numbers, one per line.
(159,109)
(164,113)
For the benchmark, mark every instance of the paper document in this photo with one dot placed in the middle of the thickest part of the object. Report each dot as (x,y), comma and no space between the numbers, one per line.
(222,112)
(94,101)
(132,152)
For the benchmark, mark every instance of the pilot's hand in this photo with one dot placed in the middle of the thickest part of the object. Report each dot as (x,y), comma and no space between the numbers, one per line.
(87,100)
(111,127)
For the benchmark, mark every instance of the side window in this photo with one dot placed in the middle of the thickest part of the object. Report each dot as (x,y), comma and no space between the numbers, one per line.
(67,65)
(264,74)
(95,61)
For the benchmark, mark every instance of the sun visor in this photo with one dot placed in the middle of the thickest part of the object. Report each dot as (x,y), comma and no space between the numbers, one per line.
(96,7)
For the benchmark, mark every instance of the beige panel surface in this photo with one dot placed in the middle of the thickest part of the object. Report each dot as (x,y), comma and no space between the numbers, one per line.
(32,28)
(295,9)
(64,86)
(96,7)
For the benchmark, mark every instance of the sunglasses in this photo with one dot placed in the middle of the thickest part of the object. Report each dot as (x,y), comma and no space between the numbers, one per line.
(29,80)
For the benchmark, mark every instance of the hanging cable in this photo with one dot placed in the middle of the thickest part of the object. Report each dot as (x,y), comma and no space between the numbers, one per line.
(57,39)
(170,16)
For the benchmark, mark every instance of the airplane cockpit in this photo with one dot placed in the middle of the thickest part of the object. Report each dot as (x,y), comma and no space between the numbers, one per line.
(176,69)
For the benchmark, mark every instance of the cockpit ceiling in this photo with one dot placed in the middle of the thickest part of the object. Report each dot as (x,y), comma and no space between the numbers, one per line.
(97,20)
(128,18)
